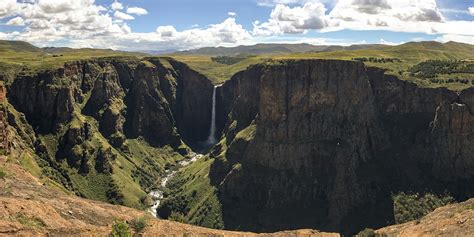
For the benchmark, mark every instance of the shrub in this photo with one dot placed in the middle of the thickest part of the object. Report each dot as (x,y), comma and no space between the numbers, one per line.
(139,224)
(3,174)
(120,229)
(178,217)
(412,206)
(367,232)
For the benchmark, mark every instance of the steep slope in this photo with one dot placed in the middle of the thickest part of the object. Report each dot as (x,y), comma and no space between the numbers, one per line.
(30,208)
(105,129)
(329,144)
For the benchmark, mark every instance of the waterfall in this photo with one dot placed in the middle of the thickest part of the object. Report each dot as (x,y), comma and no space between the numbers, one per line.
(212,133)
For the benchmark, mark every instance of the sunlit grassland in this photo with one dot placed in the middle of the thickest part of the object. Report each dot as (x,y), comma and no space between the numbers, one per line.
(410,54)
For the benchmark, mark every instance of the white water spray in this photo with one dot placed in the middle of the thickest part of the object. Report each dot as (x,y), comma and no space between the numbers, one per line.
(212,134)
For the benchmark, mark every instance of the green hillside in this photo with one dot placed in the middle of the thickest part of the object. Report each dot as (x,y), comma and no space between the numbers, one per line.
(19,56)
(409,55)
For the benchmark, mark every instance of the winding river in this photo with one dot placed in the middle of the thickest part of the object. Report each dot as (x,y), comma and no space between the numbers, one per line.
(158,194)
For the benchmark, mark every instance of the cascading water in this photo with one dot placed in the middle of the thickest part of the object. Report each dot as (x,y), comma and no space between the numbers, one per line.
(158,194)
(212,133)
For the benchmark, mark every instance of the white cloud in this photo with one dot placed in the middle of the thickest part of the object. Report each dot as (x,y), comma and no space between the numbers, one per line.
(17,21)
(123,16)
(471,10)
(116,6)
(457,38)
(272,3)
(382,41)
(8,8)
(137,11)
(284,19)
(232,14)
(83,23)
(166,31)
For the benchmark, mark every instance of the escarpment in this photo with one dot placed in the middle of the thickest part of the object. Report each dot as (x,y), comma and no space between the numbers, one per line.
(107,127)
(324,144)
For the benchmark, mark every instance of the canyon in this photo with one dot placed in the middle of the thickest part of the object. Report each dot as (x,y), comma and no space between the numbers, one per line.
(320,144)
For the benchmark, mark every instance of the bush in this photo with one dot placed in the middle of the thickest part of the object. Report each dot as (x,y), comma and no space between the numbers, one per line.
(139,224)
(366,233)
(413,206)
(178,217)
(120,229)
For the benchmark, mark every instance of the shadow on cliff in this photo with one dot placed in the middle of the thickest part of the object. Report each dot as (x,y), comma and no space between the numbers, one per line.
(387,137)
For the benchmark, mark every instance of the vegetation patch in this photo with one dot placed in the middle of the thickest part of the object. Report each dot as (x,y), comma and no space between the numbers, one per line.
(412,206)
(139,224)
(120,229)
(229,60)
(25,220)
(191,198)
(3,173)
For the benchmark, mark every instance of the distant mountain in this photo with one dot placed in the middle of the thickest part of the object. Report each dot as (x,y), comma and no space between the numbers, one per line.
(159,52)
(18,46)
(275,49)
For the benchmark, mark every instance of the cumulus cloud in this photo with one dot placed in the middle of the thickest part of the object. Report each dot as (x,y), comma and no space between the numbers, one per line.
(285,19)
(8,7)
(420,16)
(84,23)
(137,11)
(17,21)
(471,10)
(116,6)
(272,3)
(123,16)
(371,6)
(166,31)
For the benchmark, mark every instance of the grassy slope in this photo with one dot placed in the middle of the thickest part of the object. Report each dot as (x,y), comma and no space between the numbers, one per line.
(18,56)
(410,54)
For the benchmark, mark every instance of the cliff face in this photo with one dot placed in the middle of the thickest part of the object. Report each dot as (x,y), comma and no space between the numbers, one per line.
(148,98)
(86,113)
(324,142)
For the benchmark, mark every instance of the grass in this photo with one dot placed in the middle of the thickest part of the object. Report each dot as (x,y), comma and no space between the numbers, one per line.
(139,224)
(16,56)
(410,55)
(193,183)
(3,173)
(28,162)
(28,221)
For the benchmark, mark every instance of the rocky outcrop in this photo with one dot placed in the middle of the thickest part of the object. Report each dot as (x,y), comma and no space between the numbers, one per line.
(330,141)
(87,113)
(45,100)
(316,122)
(453,140)
(193,105)
(154,99)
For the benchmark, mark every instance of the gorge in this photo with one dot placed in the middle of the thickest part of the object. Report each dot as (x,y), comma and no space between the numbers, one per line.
(317,144)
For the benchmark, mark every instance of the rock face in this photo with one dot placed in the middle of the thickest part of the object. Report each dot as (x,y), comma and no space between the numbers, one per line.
(154,99)
(86,114)
(322,143)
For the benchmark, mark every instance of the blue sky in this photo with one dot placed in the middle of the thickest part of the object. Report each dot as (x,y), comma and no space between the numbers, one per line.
(184,24)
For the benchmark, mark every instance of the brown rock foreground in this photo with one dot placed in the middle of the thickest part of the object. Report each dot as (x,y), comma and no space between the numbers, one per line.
(28,208)
(456,220)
